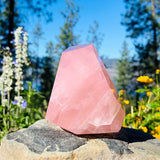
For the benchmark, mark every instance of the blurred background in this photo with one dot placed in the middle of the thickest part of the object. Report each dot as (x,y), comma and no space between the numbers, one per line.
(126,34)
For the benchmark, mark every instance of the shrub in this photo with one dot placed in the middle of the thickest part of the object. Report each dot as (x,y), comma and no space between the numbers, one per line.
(26,106)
(147,116)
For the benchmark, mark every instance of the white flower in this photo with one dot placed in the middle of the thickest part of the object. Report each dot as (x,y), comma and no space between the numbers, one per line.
(19,100)
(21,44)
(24,48)
(6,79)
(4,102)
(7,73)
(7,76)
(1,83)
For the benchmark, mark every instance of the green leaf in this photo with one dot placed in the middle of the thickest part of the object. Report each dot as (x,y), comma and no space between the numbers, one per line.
(142,90)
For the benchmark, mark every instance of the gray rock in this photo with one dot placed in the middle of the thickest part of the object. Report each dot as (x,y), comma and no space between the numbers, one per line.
(46,141)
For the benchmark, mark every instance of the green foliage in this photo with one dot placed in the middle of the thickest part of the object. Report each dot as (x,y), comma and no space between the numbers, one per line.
(48,74)
(28,105)
(124,78)
(123,67)
(16,117)
(95,36)
(10,16)
(147,116)
(67,37)
(9,21)
(141,20)
(34,55)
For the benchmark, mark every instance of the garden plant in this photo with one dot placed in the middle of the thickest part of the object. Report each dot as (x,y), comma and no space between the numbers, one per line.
(18,108)
(147,116)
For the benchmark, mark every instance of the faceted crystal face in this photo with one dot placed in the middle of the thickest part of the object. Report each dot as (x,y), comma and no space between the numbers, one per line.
(84,99)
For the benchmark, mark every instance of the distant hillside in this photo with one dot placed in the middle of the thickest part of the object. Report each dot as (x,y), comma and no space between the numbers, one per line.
(110,65)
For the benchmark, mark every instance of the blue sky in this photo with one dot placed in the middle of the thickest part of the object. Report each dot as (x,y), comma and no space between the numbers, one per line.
(106,12)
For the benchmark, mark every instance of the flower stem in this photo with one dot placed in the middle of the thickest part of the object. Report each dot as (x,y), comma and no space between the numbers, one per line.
(8,109)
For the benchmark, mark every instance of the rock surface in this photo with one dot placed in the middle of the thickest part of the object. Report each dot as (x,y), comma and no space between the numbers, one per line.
(46,141)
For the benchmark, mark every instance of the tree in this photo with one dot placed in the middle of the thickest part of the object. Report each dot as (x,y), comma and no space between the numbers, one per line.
(142,24)
(67,37)
(9,20)
(123,79)
(10,16)
(36,60)
(48,72)
(95,36)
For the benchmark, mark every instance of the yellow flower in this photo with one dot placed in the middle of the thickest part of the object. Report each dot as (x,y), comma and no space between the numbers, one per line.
(112,90)
(158,109)
(144,79)
(138,119)
(121,92)
(121,98)
(149,93)
(128,114)
(143,107)
(157,71)
(152,132)
(157,129)
(150,80)
(156,136)
(126,101)
(144,129)
(124,126)
(158,115)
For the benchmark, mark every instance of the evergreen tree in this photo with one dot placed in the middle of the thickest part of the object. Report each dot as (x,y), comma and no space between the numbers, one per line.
(123,78)
(142,24)
(9,21)
(67,37)
(10,16)
(95,36)
(36,60)
(48,72)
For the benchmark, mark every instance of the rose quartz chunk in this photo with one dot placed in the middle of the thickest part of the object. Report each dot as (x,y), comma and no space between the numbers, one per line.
(84,99)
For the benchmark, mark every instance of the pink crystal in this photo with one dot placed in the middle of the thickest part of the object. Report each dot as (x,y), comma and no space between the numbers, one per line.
(84,99)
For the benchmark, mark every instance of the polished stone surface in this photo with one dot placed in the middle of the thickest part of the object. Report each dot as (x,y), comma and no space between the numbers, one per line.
(84,99)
